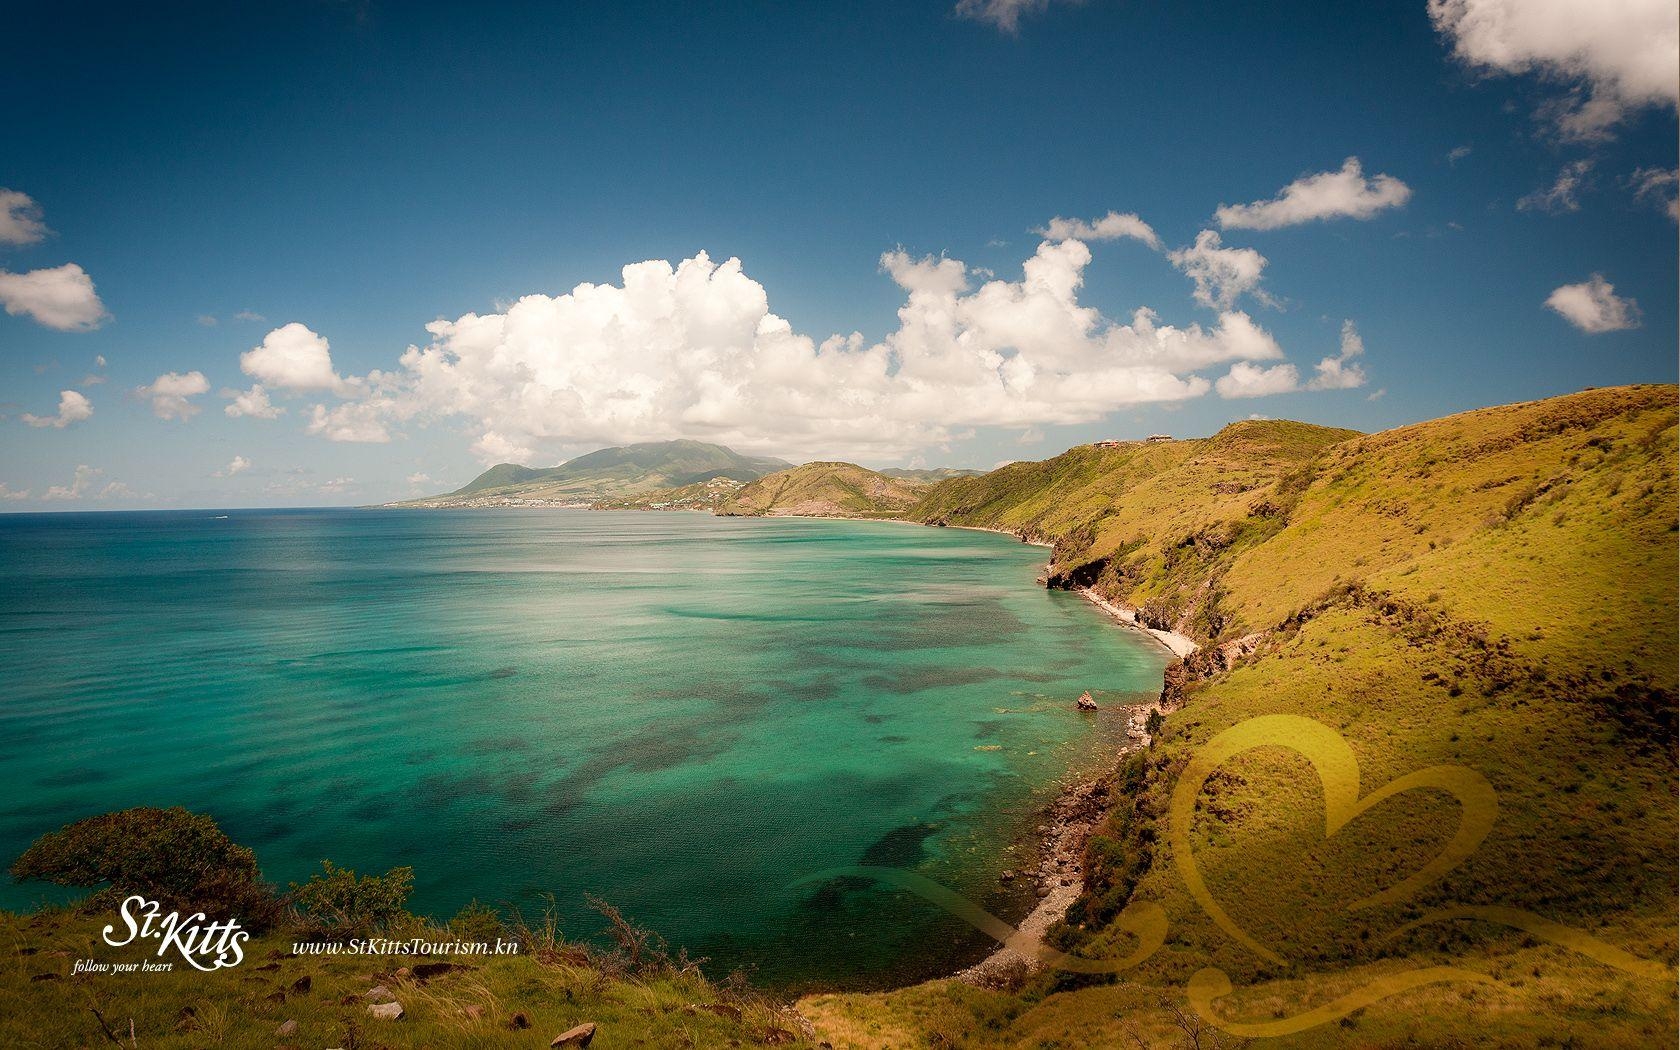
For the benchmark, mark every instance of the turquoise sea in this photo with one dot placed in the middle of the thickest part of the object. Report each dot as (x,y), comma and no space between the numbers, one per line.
(684,715)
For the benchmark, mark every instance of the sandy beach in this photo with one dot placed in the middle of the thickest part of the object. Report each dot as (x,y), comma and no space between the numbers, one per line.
(1177,644)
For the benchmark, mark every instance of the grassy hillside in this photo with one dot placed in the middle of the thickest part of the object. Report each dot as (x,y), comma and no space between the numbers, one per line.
(1494,591)
(1137,520)
(825,489)
(610,473)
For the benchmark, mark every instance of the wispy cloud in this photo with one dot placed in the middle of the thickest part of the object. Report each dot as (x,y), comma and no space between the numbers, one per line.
(1563,195)
(1344,194)
(1112,226)
(1005,14)
(1658,185)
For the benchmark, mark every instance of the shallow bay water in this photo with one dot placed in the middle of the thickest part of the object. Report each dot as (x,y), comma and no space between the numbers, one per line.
(684,715)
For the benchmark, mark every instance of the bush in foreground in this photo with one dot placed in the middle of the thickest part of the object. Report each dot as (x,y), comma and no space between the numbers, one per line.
(180,859)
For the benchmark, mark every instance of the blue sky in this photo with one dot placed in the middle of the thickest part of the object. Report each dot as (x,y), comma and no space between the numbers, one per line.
(364,170)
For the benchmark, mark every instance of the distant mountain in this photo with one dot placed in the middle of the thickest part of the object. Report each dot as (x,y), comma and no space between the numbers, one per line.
(929,475)
(609,474)
(843,490)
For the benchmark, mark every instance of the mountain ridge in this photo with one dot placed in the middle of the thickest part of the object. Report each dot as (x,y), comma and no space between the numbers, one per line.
(618,472)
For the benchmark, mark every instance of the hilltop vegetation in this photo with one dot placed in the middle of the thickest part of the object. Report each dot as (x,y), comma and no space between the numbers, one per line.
(842,490)
(1495,591)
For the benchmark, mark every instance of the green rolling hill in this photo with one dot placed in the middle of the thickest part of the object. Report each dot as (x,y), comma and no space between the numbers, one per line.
(843,490)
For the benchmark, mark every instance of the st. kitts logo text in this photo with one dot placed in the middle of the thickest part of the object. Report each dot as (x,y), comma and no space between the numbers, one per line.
(203,944)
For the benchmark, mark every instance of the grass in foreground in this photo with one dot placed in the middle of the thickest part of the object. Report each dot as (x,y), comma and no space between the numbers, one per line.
(523,1000)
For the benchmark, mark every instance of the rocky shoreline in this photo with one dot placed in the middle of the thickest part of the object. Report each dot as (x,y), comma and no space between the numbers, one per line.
(1069,821)
(1060,875)
(1076,812)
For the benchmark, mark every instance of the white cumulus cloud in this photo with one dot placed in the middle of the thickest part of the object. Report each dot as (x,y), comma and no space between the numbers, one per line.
(20,219)
(1344,194)
(1250,380)
(238,465)
(253,403)
(1112,226)
(1221,274)
(61,298)
(8,493)
(72,408)
(1593,306)
(1341,372)
(1611,56)
(170,393)
(359,421)
(85,485)
(693,350)
(294,358)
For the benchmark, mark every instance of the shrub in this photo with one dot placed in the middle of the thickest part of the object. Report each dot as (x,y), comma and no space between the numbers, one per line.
(477,922)
(339,901)
(181,860)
